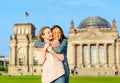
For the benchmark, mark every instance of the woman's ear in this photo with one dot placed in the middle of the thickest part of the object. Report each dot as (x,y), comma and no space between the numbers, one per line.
(43,36)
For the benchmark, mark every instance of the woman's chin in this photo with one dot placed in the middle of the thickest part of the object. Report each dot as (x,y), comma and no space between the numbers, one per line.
(56,38)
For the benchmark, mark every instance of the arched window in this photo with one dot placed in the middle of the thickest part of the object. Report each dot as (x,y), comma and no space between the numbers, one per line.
(22,31)
(18,31)
(21,50)
(26,31)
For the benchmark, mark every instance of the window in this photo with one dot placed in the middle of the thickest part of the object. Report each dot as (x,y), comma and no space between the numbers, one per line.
(85,54)
(101,54)
(22,31)
(35,62)
(35,70)
(21,50)
(26,31)
(93,54)
(18,31)
(1,63)
(20,61)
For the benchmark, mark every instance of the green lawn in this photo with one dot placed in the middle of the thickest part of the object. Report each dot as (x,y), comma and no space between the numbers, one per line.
(73,79)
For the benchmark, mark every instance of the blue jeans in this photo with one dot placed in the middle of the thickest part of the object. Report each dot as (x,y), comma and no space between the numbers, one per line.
(59,80)
(66,79)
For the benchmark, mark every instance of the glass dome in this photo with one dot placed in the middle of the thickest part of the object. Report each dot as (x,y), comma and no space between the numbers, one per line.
(95,22)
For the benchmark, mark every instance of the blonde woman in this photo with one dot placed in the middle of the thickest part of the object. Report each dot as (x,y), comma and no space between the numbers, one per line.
(52,62)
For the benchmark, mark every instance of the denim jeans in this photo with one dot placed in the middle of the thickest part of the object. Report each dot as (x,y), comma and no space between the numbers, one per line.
(59,80)
(66,79)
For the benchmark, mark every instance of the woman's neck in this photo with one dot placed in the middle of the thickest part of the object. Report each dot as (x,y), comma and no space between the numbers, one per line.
(46,40)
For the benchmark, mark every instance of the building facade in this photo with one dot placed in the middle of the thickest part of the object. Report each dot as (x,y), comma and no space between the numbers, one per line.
(22,60)
(93,49)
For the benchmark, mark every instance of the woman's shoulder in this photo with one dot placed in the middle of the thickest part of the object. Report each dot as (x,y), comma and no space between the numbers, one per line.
(65,40)
(39,43)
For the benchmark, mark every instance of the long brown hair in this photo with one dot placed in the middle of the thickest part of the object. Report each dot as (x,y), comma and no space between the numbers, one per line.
(62,33)
(41,32)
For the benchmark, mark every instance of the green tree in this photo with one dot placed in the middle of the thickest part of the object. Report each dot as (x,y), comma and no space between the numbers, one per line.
(2,68)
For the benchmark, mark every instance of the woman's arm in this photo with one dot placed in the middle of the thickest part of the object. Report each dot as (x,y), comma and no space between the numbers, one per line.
(39,44)
(41,54)
(60,57)
(61,47)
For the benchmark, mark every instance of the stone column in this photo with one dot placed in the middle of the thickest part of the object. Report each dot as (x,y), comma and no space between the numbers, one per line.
(81,56)
(118,54)
(113,55)
(97,55)
(105,55)
(89,57)
(26,55)
(13,55)
(71,55)
(78,56)
(31,56)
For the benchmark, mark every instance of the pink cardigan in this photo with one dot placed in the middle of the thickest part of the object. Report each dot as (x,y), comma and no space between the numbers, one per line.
(52,67)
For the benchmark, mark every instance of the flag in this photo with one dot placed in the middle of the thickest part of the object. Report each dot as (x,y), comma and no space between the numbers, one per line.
(26,14)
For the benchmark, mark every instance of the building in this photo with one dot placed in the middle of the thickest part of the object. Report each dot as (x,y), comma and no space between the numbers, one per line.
(93,49)
(4,61)
(22,61)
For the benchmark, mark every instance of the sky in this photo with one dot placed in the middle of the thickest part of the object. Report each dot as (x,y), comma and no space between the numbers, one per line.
(51,12)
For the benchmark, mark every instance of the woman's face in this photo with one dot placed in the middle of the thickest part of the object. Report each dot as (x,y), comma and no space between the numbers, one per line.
(47,34)
(56,32)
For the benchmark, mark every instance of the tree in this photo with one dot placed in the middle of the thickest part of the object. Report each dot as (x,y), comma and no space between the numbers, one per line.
(2,68)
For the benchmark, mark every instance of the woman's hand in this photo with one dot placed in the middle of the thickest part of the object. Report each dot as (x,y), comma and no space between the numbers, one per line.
(55,43)
(49,49)
(46,46)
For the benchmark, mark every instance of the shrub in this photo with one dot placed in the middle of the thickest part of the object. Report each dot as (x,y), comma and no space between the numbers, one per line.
(2,68)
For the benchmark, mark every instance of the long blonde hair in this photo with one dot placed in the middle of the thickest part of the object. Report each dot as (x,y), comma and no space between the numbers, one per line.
(41,32)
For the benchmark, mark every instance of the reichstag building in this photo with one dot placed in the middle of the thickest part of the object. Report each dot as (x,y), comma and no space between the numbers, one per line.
(93,49)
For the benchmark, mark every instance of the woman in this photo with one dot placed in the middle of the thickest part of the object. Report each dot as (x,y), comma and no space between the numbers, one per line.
(58,35)
(52,63)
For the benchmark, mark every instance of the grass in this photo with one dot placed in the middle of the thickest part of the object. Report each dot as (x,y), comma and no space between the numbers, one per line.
(73,79)
(20,79)
(95,80)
